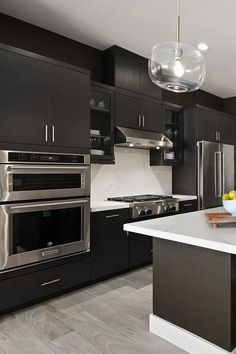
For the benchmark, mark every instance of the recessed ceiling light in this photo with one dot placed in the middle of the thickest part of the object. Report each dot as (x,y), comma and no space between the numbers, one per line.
(202,46)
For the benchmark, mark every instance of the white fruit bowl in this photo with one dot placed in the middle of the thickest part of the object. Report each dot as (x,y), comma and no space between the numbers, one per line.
(230,206)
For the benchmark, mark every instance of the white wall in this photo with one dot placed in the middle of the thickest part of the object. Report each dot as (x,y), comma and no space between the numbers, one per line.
(131,174)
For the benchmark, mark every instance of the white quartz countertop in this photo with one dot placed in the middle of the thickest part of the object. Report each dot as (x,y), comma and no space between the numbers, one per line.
(103,205)
(190,228)
(183,198)
(107,205)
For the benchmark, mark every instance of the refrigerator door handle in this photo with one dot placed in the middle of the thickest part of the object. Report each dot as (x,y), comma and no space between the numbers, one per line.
(218,173)
(223,173)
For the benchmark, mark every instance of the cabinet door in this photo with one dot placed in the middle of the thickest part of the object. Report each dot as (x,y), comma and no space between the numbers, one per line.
(140,250)
(151,116)
(206,124)
(128,112)
(69,111)
(127,69)
(24,99)
(38,285)
(109,247)
(148,88)
(188,206)
(225,128)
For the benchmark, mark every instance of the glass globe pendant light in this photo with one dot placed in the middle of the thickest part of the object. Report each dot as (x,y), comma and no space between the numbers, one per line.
(176,66)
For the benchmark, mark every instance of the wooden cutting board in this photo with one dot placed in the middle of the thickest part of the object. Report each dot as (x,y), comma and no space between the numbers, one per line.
(217,219)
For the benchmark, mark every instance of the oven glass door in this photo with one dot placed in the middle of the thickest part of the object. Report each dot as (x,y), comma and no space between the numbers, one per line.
(39,231)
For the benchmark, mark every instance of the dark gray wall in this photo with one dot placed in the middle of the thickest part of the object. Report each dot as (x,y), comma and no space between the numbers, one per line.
(23,35)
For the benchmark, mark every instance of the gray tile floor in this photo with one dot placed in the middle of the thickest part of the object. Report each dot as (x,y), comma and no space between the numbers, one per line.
(109,318)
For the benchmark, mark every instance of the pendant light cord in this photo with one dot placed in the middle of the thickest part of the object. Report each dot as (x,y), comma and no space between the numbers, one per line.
(178,21)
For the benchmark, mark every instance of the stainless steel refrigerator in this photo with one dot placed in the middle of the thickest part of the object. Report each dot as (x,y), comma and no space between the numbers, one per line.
(215,172)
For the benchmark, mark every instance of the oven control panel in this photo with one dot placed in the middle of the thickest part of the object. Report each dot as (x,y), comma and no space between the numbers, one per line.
(28,157)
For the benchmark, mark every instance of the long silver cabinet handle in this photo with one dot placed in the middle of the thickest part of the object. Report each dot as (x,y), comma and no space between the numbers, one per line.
(112,216)
(51,282)
(53,133)
(46,133)
(139,120)
(189,204)
(143,121)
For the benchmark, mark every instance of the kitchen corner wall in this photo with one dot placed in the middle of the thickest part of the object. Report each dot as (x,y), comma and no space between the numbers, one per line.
(131,174)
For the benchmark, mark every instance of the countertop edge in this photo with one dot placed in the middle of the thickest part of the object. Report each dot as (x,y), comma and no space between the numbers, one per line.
(189,240)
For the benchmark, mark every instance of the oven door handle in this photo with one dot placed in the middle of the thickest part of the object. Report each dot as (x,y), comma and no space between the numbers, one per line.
(45,169)
(31,207)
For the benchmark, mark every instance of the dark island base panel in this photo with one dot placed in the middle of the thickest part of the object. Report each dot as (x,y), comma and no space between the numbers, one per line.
(195,289)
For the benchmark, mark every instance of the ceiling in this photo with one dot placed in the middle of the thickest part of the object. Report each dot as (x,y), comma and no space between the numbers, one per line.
(138,24)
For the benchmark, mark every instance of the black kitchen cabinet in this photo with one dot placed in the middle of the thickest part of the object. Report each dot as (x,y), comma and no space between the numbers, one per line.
(69,117)
(147,87)
(127,111)
(102,123)
(132,111)
(172,127)
(127,70)
(225,128)
(213,125)
(32,287)
(151,116)
(109,243)
(42,101)
(140,250)
(24,99)
(188,206)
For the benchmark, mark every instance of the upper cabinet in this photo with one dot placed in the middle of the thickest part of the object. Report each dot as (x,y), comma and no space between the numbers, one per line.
(213,125)
(132,111)
(126,70)
(43,102)
(69,116)
(24,99)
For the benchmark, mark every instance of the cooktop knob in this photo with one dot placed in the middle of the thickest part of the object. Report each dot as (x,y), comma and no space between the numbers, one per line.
(141,212)
(173,208)
(167,208)
(148,211)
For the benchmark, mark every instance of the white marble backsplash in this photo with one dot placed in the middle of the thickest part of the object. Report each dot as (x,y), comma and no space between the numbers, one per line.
(131,174)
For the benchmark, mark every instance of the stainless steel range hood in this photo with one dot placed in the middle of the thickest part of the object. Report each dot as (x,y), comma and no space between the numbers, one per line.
(141,139)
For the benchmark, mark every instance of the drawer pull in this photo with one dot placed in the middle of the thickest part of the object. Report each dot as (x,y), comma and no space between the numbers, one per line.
(189,204)
(112,216)
(51,282)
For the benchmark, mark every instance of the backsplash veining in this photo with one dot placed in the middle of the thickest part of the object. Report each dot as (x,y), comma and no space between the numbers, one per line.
(131,174)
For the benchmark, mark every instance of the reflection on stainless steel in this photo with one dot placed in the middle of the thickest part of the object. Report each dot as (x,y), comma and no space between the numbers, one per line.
(215,172)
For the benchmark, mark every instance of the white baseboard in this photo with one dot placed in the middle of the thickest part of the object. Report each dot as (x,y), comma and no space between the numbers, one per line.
(183,339)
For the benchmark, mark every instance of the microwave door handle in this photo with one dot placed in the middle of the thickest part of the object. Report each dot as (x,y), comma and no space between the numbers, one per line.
(14,209)
(46,168)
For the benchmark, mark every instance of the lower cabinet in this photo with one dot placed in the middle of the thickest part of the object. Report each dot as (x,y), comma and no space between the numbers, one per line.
(188,206)
(25,289)
(109,243)
(140,250)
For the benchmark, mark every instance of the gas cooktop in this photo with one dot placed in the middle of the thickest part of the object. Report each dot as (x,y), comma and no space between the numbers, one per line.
(149,205)
(140,198)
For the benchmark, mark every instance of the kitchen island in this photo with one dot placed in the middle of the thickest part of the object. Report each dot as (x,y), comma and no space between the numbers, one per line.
(194,281)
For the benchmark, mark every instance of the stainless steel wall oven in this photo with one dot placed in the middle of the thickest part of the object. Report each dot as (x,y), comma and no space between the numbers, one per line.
(44,206)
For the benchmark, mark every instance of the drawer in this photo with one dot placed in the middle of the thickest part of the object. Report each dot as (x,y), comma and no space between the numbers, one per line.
(30,287)
(105,217)
(188,206)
